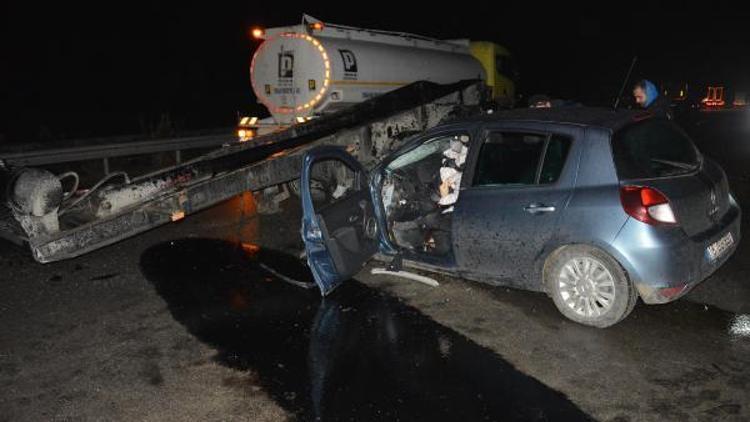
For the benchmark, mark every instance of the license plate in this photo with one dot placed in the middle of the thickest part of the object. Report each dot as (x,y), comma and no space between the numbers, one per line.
(715,250)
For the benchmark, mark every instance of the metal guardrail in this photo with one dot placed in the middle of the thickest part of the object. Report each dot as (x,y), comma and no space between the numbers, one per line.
(111,150)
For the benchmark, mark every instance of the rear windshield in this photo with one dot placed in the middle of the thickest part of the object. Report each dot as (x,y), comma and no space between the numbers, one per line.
(653,148)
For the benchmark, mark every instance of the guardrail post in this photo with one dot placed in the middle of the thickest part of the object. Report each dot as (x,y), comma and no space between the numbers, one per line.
(105,161)
(178,156)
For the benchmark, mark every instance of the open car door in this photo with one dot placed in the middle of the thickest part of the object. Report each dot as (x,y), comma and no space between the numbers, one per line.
(340,231)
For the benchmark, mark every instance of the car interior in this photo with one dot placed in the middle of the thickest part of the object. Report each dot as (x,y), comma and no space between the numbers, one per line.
(411,194)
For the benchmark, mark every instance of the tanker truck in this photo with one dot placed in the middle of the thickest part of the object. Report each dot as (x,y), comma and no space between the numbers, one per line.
(362,90)
(304,71)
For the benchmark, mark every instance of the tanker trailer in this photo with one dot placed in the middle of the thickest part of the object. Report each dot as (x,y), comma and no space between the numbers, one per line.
(302,71)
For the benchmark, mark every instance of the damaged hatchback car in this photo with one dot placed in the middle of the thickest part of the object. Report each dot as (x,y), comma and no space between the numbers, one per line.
(593,207)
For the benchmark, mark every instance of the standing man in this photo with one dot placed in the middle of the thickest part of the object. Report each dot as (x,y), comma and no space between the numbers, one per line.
(647,97)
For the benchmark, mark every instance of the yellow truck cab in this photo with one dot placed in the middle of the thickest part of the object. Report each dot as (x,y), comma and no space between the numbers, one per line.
(499,68)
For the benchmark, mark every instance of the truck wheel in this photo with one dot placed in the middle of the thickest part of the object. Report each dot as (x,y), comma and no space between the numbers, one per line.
(589,287)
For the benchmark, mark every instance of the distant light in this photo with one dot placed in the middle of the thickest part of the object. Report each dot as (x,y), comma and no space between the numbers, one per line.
(178,215)
(245,134)
(253,120)
(250,248)
(244,121)
(258,33)
(300,119)
(714,97)
(317,26)
(740,326)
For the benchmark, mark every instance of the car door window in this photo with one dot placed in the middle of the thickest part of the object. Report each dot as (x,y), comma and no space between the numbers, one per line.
(520,159)
(554,158)
(509,158)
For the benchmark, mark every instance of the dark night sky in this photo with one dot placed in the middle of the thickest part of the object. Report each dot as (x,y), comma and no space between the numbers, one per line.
(112,67)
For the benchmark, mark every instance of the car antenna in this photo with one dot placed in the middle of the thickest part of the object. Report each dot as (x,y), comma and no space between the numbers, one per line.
(624,83)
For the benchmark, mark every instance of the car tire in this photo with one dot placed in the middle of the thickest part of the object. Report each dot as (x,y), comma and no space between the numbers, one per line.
(588,286)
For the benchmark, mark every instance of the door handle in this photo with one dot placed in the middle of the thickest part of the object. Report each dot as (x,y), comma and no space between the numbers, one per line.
(538,208)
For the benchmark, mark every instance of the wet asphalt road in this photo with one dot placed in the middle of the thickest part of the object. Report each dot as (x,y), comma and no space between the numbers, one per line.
(183,323)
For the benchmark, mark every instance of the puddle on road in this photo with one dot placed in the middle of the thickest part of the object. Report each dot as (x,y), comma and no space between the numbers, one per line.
(358,354)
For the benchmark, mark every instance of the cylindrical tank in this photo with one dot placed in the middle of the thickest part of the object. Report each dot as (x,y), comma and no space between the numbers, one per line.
(35,192)
(297,75)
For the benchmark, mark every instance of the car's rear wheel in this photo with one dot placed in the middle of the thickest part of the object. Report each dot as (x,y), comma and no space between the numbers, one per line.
(589,287)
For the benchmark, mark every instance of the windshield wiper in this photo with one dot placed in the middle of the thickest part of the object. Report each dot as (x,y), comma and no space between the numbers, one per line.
(678,164)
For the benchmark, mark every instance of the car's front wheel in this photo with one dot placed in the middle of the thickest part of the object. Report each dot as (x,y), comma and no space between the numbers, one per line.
(589,287)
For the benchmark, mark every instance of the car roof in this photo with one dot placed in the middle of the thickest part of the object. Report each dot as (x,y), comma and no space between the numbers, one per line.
(582,116)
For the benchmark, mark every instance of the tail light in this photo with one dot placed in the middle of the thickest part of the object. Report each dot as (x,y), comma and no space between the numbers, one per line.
(647,205)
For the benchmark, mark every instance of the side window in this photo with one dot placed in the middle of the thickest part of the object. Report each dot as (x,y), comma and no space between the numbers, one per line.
(509,158)
(554,158)
(429,152)
(516,158)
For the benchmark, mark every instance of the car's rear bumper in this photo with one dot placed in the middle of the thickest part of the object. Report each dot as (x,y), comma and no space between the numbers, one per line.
(664,263)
